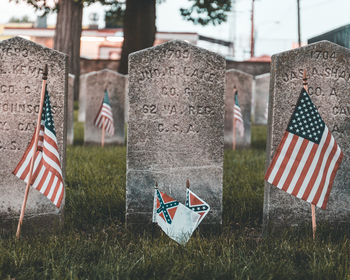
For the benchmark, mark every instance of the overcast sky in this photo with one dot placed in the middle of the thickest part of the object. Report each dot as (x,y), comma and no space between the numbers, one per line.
(275,21)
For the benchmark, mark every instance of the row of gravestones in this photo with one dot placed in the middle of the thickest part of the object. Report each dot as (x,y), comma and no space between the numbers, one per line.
(92,86)
(175,123)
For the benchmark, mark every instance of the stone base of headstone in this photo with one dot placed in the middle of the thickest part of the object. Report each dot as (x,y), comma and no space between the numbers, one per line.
(43,224)
(201,179)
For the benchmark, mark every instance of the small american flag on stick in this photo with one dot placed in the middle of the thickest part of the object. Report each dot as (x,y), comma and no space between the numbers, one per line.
(307,159)
(47,172)
(237,116)
(104,118)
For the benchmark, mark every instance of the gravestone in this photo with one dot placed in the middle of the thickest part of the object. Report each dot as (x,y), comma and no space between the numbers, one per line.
(21,67)
(260,98)
(70,110)
(244,85)
(96,83)
(82,96)
(328,72)
(126,111)
(175,128)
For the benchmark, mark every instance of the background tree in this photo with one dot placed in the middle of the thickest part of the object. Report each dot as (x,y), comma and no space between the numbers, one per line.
(68,29)
(139,18)
(67,35)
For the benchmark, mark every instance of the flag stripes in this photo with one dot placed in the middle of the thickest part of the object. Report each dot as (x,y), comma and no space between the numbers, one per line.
(47,172)
(237,113)
(304,169)
(105,115)
(237,116)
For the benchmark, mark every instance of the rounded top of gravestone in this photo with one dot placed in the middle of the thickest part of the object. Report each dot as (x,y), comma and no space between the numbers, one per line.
(324,44)
(105,70)
(33,47)
(177,44)
(239,72)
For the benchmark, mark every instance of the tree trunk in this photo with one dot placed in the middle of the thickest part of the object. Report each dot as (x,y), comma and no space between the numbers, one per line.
(139,29)
(67,36)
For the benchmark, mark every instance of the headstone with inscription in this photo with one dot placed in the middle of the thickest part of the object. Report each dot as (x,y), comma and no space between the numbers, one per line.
(328,72)
(21,67)
(82,95)
(175,128)
(244,84)
(70,110)
(96,83)
(260,98)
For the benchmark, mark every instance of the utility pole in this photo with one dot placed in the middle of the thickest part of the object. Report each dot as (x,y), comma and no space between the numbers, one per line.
(299,36)
(252,32)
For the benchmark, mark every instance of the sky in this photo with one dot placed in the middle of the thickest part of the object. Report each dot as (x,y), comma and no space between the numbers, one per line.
(275,21)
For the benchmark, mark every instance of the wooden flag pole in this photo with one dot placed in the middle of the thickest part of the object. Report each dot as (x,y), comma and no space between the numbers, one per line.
(153,222)
(313,210)
(313,214)
(234,121)
(103,131)
(187,183)
(234,135)
(35,147)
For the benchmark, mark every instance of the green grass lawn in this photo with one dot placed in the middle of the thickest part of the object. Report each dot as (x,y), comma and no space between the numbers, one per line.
(94,243)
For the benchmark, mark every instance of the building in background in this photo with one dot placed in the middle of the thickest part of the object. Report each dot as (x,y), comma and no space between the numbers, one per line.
(340,36)
(107,43)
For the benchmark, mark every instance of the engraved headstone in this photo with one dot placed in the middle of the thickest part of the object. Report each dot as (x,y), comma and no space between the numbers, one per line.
(70,110)
(175,129)
(260,98)
(328,72)
(21,67)
(244,83)
(82,96)
(96,83)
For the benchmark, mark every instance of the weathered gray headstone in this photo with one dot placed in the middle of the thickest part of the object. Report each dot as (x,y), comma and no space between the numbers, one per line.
(21,67)
(70,110)
(126,110)
(175,129)
(96,83)
(82,95)
(328,72)
(261,98)
(244,84)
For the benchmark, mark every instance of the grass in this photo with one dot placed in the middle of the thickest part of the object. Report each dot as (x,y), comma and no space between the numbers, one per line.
(94,244)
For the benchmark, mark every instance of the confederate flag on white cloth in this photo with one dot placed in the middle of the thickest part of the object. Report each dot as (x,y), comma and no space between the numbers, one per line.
(196,204)
(176,220)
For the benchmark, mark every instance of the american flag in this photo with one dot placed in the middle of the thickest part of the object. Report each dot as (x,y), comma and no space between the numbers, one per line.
(105,114)
(196,204)
(47,172)
(237,115)
(307,159)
